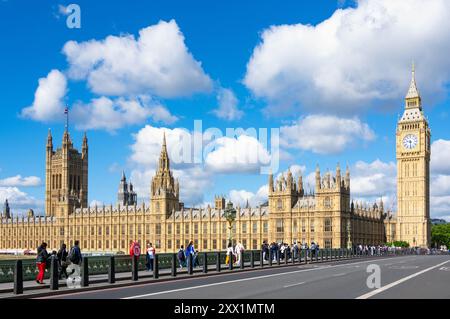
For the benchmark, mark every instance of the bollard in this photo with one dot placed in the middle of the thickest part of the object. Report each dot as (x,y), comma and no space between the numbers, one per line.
(278,257)
(111,271)
(241,260)
(156,267)
(321,256)
(252,259)
(218,262)
(306,256)
(205,263)
(191,264)
(135,268)
(261,259)
(54,283)
(85,272)
(286,258)
(270,257)
(18,278)
(294,255)
(173,272)
(230,261)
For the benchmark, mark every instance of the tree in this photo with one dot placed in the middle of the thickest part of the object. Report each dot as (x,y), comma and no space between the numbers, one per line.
(399,243)
(440,235)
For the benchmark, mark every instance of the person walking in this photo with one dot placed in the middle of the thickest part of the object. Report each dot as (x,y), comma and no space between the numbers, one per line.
(190,251)
(150,256)
(239,251)
(41,262)
(230,253)
(75,256)
(181,257)
(62,260)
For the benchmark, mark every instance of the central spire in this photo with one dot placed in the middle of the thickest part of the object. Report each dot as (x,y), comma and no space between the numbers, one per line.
(412,99)
(164,164)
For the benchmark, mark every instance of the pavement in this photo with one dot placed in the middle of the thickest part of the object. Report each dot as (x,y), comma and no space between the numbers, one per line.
(405,277)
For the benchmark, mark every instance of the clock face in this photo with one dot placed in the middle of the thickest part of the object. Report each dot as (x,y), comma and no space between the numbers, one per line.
(410,141)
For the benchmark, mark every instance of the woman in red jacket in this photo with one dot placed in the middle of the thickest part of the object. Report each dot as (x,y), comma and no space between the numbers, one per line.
(41,262)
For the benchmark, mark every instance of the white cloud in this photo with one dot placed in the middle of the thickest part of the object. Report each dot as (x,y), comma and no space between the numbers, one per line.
(244,154)
(48,104)
(20,202)
(228,105)
(18,180)
(356,57)
(107,114)
(240,197)
(157,62)
(374,179)
(440,156)
(325,134)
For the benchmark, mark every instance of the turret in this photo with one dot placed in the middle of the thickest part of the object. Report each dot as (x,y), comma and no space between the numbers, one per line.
(85,146)
(300,185)
(271,189)
(338,177)
(347,178)
(317,178)
(49,142)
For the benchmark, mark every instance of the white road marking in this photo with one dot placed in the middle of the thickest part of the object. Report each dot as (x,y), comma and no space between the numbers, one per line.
(338,275)
(395,283)
(245,279)
(300,283)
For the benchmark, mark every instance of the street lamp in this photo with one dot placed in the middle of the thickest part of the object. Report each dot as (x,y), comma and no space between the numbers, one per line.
(230,216)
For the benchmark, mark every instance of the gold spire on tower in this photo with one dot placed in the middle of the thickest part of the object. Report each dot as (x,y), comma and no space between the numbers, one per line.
(412,99)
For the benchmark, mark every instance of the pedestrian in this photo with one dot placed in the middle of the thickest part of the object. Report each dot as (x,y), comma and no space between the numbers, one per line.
(41,262)
(62,261)
(196,262)
(190,251)
(230,254)
(181,257)
(75,256)
(150,256)
(239,251)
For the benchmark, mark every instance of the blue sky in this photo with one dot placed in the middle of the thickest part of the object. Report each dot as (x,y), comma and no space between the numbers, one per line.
(331,74)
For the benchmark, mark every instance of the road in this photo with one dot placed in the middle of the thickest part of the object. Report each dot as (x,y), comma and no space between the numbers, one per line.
(401,277)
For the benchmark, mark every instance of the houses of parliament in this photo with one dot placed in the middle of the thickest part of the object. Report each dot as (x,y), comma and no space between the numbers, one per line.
(328,216)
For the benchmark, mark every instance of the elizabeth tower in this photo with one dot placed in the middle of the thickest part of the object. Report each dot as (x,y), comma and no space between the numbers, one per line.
(413,172)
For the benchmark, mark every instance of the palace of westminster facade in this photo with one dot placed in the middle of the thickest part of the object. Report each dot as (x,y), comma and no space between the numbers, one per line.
(327,217)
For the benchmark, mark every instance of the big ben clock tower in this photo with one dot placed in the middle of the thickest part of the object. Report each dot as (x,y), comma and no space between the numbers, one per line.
(413,172)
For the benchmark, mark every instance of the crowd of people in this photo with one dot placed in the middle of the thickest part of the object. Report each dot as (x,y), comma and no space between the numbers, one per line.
(280,250)
(63,257)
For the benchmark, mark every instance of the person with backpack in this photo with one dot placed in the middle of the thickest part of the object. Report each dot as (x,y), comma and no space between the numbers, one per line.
(41,262)
(181,257)
(75,256)
(62,260)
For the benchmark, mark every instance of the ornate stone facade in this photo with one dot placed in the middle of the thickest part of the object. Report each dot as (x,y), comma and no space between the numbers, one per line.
(326,216)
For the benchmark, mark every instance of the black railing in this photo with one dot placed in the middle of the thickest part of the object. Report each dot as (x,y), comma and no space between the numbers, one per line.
(113,265)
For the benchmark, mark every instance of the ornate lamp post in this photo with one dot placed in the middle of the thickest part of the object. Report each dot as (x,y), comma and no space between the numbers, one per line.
(349,235)
(230,216)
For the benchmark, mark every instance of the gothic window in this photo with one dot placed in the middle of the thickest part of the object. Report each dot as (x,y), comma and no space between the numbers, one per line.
(178,230)
(196,228)
(312,225)
(244,227)
(294,227)
(255,227)
(169,229)
(303,225)
(328,225)
(158,207)
(158,229)
(265,227)
(328,244)
(279,204)
(214,229)
(186,229)
(279,225)
(205,244)
(205,228)
(327,202)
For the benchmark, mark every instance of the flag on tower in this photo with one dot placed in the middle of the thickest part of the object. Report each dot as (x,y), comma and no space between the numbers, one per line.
(66,110)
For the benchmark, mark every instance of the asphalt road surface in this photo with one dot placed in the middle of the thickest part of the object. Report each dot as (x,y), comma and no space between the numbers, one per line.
(400,277)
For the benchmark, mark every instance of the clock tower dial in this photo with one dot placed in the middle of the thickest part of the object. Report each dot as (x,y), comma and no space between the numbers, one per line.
(410,141)
(413,172)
